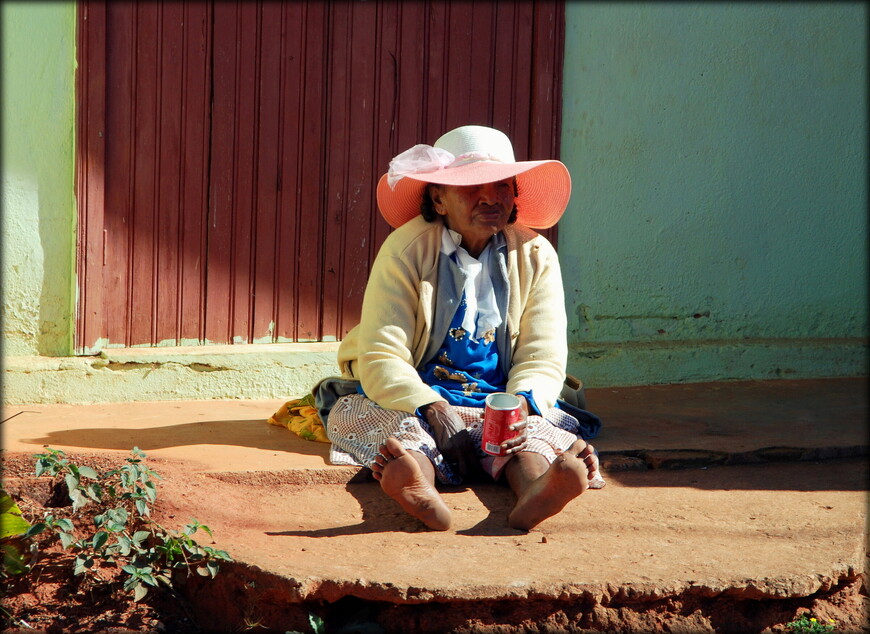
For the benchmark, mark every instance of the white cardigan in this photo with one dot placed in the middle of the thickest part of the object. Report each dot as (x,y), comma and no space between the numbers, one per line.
(385,349)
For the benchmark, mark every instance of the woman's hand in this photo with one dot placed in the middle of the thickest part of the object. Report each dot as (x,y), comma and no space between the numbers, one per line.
(451,437)
(518,443)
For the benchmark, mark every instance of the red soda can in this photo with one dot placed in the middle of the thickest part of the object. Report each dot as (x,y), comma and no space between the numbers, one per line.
(501,411)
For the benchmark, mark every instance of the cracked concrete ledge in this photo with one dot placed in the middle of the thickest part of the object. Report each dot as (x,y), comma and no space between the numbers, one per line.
(313,589)
(692,607)
(261,371)
(166,374)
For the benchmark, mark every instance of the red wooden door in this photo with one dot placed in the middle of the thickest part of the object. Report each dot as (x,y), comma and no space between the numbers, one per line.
(228,152)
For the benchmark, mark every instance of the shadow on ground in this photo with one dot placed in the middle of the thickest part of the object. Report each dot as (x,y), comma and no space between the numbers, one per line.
(235,433)
(380,514)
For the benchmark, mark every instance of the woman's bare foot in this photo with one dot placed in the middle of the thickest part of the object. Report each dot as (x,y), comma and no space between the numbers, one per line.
(402,478)
(564,480)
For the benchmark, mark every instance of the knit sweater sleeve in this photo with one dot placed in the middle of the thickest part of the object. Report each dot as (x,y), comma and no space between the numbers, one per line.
(540,350)
(390,332)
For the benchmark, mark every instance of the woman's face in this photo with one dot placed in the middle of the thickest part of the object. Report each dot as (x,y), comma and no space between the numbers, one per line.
(477,212)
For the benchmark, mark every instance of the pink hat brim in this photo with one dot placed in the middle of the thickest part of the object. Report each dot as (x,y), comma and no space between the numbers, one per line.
(544,190)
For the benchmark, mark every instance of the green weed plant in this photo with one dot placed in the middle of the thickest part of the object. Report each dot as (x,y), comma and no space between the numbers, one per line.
(123,534)
(15,534)
(806,624)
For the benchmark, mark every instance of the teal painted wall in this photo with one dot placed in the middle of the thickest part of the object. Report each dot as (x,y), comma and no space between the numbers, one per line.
(718,222)
(38,114)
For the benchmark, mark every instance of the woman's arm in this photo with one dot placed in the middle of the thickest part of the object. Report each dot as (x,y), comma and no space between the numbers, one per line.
(385,340)
(540,351)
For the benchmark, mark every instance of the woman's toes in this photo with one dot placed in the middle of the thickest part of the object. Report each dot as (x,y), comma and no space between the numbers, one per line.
(392,449)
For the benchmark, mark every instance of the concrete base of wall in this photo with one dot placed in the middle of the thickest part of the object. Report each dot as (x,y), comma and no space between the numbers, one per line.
(621,364)
(168,374)
(290,370)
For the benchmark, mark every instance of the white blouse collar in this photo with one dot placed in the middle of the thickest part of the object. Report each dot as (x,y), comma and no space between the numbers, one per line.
(481,309)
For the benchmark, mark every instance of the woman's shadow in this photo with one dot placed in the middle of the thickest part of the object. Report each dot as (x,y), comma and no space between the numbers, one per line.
(256,434)
(381,514)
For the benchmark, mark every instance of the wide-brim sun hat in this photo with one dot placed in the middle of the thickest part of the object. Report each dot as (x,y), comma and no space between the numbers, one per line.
(474,155)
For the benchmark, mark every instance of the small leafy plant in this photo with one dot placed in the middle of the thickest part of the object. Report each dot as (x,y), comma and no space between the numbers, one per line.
(805,624)
(15,533)
(122,533)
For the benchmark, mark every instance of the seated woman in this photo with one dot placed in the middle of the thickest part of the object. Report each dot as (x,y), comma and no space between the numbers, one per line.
(463,300)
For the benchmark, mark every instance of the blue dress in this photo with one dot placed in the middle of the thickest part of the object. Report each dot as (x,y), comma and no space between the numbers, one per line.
(464,370)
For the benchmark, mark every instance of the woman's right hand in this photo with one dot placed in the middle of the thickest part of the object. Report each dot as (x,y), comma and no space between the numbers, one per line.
(451,436)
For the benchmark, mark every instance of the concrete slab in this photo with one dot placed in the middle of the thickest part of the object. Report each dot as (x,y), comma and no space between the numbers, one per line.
(791,527)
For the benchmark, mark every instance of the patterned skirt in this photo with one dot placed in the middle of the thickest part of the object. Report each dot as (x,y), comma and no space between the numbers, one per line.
(358,427)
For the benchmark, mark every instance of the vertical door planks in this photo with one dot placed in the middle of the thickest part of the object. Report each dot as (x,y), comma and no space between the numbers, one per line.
(228,152)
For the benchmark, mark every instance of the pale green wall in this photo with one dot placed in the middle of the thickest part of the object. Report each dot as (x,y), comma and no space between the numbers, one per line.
(718,224)
(38,75)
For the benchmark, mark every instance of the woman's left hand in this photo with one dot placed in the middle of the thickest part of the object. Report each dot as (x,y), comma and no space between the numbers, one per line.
(518,443)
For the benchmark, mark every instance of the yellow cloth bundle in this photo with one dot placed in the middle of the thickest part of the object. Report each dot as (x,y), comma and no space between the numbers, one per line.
(300,417)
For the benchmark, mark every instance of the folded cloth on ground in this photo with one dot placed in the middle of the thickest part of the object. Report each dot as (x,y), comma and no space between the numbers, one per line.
(597,482)
(300,417)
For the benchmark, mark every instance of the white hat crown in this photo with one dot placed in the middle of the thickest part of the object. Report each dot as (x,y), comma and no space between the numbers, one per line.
(478,141)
